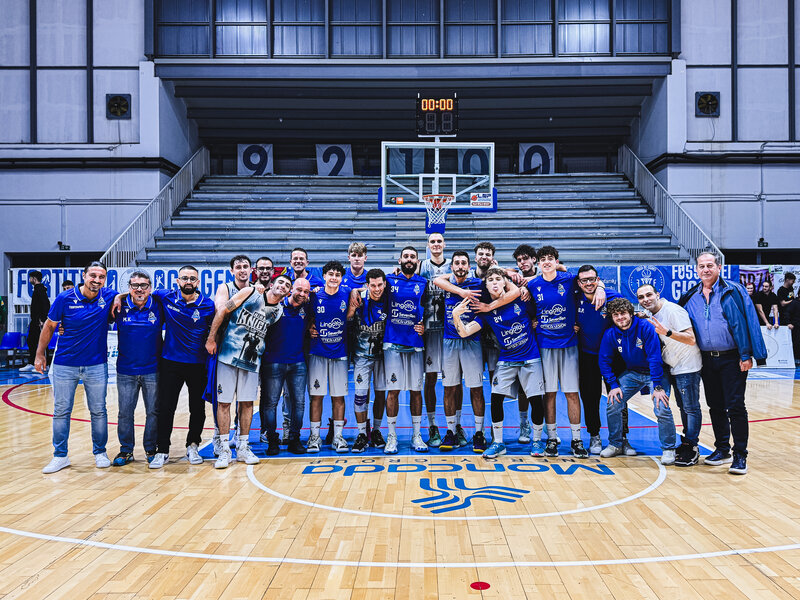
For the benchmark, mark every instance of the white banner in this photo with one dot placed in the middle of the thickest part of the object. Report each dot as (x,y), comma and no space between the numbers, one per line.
(335,160)
(779,347)
(537,159)
(254,160)
(405,161)
(473,161)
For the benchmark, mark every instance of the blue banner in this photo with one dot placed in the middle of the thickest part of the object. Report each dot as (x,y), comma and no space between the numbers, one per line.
(670,281)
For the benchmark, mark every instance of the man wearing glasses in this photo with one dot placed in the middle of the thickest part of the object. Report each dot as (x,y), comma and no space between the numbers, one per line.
(264,270)
(139,325)
(187,315)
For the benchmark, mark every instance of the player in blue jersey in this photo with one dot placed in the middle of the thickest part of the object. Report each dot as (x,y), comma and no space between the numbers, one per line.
(300,270)
(462,358)
(430,269)
(356,275)
(139,325)
(283,367)
(636,343)
(518,362)
(367,316)
(553,295)
(81,355)
(403,347)
(252,312)
(327,360)
(187,316)
(591,323)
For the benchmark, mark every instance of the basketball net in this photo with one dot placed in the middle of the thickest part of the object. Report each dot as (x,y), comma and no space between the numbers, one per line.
(436,205)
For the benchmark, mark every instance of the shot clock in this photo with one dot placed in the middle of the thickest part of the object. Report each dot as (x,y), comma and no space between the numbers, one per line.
(437,115)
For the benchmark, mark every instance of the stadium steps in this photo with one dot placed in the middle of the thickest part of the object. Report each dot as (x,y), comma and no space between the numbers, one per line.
(589,217)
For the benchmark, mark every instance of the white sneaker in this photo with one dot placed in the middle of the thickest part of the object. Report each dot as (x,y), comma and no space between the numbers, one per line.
(216,443)
(627,449)
(340,445)
(159,460)
(245,454)
(28,369)
(233,440)
(524,436)
(417,444)
(101,461)
(193,455)
(314,443)
(595,445)
(391,444)
(224,460)
(668,457)
(610,451)
(56,464)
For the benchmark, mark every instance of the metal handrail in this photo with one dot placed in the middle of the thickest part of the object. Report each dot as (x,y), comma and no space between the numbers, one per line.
(675,218)
(123,252)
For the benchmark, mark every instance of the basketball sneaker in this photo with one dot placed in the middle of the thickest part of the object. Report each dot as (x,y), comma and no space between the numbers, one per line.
(216,443)
(551,448)
(233,440)
(329,435)
(668,457)
(461,437)
(340,445)
(627,449)
(738,465)
(159,460)
(295,446)
(610,451)
(718,457)
(391,444)
(495,450)
(273,444)
(56,464)
(314,443)
(123,458)
(193,455)
(449,442)
(578,451)
(245,454)
(101,461)
(223,460)
(434,439)
(524,432)
(376,438)
(595,445)
(687,456)
(28,369)
(360,444)
(537,448)
(417,444)
(478,443)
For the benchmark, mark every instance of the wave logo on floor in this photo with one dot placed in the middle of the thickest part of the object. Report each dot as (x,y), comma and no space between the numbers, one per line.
(447,500)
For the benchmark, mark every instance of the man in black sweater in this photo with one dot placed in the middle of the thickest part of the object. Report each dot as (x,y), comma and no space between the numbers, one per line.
(40,306)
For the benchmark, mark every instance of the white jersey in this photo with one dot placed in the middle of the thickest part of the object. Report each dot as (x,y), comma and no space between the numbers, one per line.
(681,358)
(434,298)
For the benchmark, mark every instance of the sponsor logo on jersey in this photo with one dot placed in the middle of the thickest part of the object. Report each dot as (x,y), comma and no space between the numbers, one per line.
(336,324)
(152,318)
(416,288)
(517,309)
(316,384)
(393,378)
(561,290)
(408,306)
(359,379)
(196,315)
(101,303)
(343,306)
(639,343)
(515,329)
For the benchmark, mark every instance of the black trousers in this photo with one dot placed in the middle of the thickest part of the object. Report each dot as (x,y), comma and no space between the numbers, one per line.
(724,384)
(590,385)
(171,378)
(34,331)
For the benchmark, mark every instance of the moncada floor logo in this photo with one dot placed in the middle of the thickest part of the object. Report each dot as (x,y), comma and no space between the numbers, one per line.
(446,500)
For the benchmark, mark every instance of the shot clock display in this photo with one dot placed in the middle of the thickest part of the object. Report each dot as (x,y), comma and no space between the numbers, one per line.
(437,115)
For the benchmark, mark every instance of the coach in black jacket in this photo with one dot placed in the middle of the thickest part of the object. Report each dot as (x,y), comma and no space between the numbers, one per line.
(40,306)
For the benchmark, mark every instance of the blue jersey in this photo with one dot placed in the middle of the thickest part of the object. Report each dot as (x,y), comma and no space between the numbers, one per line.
(555,310)
(593,323)
(286,337)
(85,339)
(638,346)
(452,300)
(139,331)
(314,277)
(512,328)
(187,326)
(351,282)
(405,310)
(330,319)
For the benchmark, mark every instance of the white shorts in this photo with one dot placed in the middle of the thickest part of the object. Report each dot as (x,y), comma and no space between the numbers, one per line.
(327,376)
(366,368)
(462,358)
(404,370)
(433,351)
(509,376)
(235,383)
(490,355)
(560,364)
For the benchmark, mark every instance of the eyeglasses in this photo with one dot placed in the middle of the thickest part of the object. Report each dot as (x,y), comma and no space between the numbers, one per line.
(138,286)
(264,268)
(189,279)
(587,279)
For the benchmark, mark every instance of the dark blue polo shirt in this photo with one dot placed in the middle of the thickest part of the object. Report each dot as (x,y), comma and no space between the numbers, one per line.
(139,331)
(187,326)
(85,339)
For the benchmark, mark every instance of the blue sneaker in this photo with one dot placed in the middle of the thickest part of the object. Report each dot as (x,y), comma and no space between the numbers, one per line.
(718,457)
(122,459)
(739,464)
(495,450)
(537,448)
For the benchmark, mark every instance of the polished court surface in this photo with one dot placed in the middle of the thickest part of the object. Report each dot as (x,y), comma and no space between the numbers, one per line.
(432,525)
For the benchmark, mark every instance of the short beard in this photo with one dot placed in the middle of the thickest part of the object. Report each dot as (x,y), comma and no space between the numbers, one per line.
(188,289)
(408,268)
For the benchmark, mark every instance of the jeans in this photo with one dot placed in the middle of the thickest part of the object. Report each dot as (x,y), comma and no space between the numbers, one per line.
(724,384)
(630,382)
(687,395)
(128,387)
(65,381)
(171,377)
(273,377)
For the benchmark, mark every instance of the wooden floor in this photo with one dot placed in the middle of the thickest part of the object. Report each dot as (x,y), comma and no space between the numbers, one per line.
(625,529)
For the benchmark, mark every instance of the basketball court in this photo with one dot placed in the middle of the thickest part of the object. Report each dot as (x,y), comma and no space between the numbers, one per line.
(437,525)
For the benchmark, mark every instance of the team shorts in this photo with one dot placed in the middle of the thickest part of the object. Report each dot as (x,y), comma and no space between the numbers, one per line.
(433,351)
(462,358)
(511,375)
(234,383)
(490,355)
(366,368)
(560,364)
(404,370)
(327,376)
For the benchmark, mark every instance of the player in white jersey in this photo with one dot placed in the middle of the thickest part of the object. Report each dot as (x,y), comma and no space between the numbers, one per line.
(430,269)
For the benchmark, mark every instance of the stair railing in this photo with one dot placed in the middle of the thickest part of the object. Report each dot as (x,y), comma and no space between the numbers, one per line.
(143,228)
(683,227)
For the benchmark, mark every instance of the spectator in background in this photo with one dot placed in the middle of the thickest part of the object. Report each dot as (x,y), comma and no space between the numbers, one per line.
(767,305)
(751,291)
(67,285)
(40,306)
(793,321)
(785,295)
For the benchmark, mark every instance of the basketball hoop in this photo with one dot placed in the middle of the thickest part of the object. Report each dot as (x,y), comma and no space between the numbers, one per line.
(436,205)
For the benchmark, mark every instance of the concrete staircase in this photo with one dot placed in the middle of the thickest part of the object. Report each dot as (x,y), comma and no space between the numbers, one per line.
(590,218)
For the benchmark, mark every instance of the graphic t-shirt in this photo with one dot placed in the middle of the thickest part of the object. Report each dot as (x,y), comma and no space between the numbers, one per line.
(434,300)
(243,343)
(369,322)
